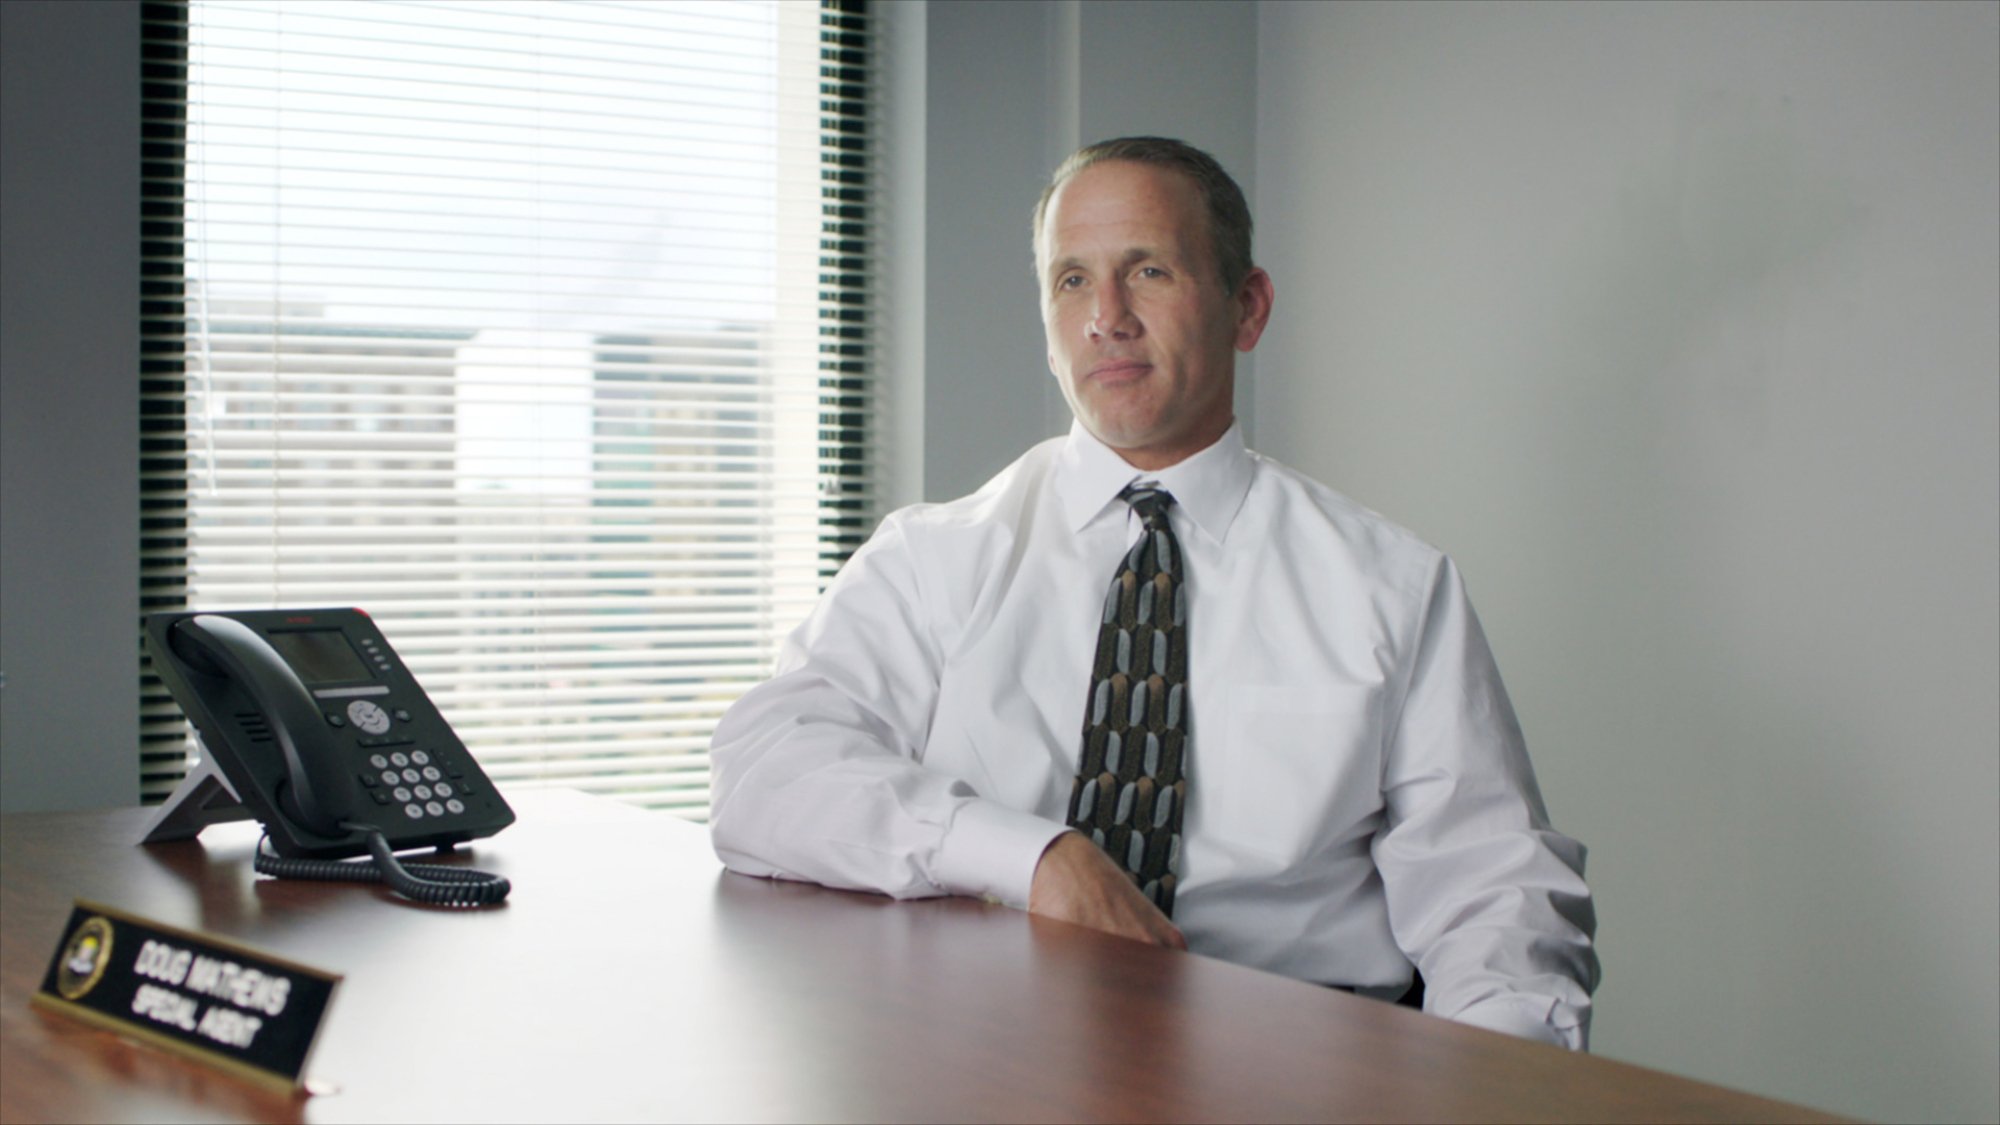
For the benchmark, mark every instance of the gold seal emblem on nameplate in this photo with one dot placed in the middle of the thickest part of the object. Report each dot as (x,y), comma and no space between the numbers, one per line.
(84,958)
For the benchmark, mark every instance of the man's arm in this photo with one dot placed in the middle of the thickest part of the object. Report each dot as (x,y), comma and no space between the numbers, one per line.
(1483,893)
(817,775)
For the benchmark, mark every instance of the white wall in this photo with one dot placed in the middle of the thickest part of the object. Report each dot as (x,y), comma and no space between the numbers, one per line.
(1679,326)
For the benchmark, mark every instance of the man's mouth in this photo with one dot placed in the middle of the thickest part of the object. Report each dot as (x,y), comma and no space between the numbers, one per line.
(1113,372)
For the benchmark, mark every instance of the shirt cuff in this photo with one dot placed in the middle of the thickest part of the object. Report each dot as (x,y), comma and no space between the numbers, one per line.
(991,851)
(1526,1017)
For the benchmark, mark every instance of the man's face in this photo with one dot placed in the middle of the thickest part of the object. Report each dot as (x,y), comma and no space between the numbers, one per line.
(1141,334)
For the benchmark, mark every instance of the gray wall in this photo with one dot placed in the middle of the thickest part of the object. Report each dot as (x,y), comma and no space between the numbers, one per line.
(1676,325)
(69,406)
(1014,87)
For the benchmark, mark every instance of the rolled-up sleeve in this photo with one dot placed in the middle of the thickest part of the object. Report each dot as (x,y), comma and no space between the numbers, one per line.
(1483,894)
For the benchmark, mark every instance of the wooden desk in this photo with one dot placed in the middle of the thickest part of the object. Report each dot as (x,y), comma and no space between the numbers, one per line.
(630,978)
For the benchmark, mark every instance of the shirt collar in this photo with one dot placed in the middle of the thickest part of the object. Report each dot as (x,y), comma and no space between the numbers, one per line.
(1208,487)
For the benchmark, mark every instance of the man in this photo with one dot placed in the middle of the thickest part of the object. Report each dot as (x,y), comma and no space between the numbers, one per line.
(1298,756)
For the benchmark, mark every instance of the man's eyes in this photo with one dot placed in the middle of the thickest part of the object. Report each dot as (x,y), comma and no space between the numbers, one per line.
(1077,280)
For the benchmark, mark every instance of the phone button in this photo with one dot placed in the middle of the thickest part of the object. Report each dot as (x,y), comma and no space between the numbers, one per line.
(402,794)
(412,776)
(381,798)
(390,777)
(378,761)
(423,792)
(334,719)
(420,757)
(414,812)
(368,780)
(455,805)
(434,809)
(442,789)
(368,716)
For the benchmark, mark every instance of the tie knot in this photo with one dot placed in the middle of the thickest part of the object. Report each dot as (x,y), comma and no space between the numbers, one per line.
(1150,502)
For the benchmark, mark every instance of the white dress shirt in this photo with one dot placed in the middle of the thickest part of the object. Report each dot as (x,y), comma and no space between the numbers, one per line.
(1359,796)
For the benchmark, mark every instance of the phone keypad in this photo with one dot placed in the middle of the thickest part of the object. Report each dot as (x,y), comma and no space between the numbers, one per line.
(424,783)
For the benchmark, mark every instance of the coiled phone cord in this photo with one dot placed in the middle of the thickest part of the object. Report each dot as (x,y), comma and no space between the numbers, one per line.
(430,883)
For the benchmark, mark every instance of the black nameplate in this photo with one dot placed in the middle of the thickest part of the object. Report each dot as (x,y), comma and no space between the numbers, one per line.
(198,995)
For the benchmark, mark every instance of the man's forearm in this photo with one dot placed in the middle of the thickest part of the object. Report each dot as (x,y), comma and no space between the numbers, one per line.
(825,800)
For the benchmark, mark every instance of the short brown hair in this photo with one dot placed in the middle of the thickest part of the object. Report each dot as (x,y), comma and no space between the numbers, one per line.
(1228,214)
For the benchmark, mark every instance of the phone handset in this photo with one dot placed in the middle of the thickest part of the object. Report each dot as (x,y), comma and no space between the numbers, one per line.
(314,778)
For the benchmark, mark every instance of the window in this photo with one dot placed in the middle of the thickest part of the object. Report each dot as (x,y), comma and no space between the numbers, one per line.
(537,330)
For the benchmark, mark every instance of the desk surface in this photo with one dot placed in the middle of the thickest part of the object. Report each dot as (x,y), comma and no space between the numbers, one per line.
(629,977)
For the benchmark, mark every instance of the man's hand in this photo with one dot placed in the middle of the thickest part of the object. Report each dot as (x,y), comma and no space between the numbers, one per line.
(1076,882)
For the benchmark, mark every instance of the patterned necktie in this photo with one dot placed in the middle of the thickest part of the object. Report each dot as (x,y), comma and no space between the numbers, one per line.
(1130,787)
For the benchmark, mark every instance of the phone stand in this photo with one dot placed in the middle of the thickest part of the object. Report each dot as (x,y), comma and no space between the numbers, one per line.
(203,797)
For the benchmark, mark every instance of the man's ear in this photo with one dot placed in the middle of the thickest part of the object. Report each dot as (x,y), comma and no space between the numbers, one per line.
(1254,299)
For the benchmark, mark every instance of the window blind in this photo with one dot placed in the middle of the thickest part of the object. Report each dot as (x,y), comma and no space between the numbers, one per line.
(540,331)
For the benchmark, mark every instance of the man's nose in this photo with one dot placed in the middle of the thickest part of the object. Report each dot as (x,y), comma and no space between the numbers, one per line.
(1112,315)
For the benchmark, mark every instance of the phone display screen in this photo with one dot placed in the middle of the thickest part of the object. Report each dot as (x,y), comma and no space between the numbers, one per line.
(320,656)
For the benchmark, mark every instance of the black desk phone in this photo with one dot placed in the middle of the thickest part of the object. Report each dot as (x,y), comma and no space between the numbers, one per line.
(310,723)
